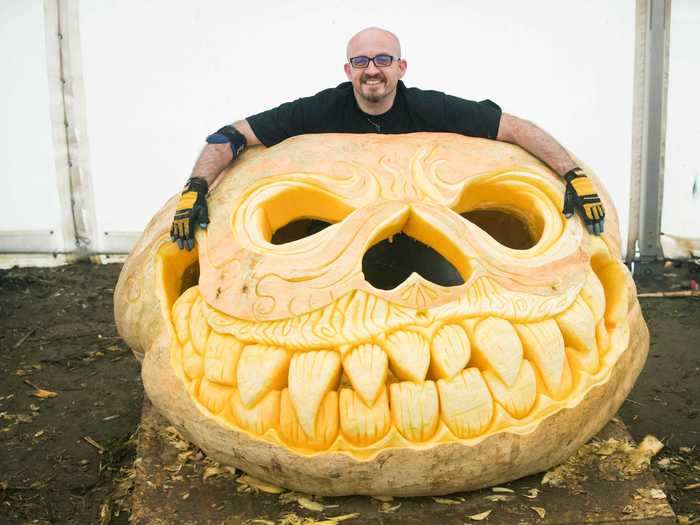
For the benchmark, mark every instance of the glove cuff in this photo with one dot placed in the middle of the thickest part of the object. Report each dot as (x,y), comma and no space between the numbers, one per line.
(573,174)
(197,184)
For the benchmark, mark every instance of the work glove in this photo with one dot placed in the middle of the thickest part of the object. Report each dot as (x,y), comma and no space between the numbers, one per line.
(191,210)
(580,194)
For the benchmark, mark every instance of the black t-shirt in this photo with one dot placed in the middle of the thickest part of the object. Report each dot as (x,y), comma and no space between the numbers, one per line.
(335,110)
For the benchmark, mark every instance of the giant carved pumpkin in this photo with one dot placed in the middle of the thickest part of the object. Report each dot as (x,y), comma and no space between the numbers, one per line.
(397,315)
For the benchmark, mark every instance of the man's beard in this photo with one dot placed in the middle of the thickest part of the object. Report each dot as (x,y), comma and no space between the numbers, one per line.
(374,96)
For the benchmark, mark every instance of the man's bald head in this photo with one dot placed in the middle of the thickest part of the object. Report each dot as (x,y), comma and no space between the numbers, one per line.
(373,37)
(375,86)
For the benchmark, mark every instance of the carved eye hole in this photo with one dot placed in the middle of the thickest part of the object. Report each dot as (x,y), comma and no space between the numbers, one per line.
(506,226)
(298,229)
(517,211)
(293,212)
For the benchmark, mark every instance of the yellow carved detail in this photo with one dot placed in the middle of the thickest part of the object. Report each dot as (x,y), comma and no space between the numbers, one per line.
(259,418)
(497,347)
(261,369)
(214,396)
(311,376)
(409,355)
(362,424)
(449,352)
(366,366)
(192,362)
(543,345)
(519,397)
(326,425)
(466,403)
(221,358)
(415,410)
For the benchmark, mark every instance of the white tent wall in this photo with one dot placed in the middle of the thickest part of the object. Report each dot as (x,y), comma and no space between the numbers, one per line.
(159,76)
(681,195)
(31,213)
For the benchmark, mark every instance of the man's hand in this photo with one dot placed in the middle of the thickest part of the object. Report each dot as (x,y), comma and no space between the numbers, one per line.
(191,210)
(581,194)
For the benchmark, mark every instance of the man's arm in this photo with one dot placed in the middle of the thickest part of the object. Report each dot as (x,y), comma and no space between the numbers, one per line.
(536,141)
(580,193)
(214,158)
(217,154)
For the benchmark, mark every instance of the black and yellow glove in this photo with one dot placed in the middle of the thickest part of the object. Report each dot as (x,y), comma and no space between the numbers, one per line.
(191,210)
(581,194)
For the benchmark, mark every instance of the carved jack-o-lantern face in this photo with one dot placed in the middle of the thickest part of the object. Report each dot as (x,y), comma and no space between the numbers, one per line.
(385,315)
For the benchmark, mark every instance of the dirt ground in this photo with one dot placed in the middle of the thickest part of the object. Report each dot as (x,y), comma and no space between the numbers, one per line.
(71,397)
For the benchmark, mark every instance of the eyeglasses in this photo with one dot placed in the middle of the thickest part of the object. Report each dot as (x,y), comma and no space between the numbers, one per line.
(362,62)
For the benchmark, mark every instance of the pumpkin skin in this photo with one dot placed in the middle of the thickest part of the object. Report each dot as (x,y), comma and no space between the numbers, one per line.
(285,361)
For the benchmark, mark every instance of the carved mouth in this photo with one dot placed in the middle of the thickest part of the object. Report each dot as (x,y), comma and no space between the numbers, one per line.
(361,374)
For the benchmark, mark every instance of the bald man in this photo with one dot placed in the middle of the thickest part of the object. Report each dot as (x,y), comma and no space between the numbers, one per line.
(375,100)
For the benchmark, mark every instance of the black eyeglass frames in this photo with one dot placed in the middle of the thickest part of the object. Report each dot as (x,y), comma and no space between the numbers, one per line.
(362,62)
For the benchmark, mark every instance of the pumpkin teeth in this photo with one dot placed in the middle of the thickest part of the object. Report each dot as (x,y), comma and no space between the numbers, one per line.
(214,396)
(497,347)
(518,398)
(409,355)
(260,369)
(366,366)
(543,345)
(325,428)
(360,423)
(221,358)
(450,351)
(199,328)
(577,326)
(259,418)
(415,409)
(192,362)
(614,279)
(311,376)
(473,364)
(181,313)
(594,295)
(466,403)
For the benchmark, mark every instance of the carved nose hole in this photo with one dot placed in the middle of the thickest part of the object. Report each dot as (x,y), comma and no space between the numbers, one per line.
(390,262)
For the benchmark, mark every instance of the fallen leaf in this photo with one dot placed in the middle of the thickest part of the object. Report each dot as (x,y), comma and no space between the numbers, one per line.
(657,494)
(499,497)
(692,486)
(502,489)
(44,394)
(38,434)
(310,504)
(532,493)
(245,479)
(447,501)
(388,508)
(262,522)
(186,495)
(384,498)
(685,450)
(105,514)
(481,516)
(541,512)
(213,471)
(94,443)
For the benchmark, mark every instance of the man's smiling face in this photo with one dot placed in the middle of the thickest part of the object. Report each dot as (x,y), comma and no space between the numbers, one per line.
(375,86)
